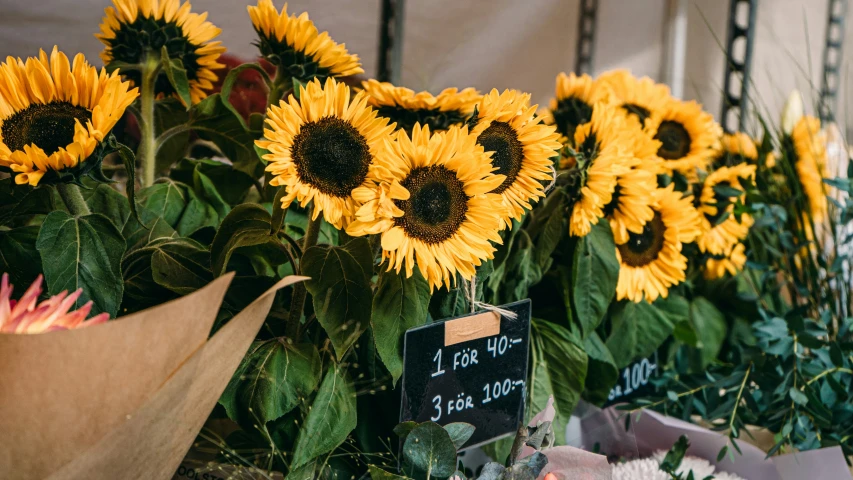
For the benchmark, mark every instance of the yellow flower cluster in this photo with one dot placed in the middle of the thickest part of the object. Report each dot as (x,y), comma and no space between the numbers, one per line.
(649,163)
(438,199)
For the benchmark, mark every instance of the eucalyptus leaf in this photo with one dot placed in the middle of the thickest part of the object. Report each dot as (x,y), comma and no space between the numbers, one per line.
(340,291)
(459,432)
(331,418)
(399,304)
(429,452)
(83,252)
(595,271)
(377,473)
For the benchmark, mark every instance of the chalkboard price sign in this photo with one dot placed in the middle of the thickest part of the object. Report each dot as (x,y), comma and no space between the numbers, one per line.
(634,381)
(469,369)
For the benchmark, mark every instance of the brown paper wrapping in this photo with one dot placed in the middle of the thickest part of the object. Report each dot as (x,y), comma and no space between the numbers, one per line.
(124,399)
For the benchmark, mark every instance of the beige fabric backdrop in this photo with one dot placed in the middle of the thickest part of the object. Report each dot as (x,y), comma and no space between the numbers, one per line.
(497,43)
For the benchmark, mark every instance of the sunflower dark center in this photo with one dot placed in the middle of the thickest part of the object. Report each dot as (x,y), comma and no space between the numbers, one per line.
(437,204)
(570,113)
(641,113)
(508,155)
(331,155)
(643,248)
(49,126)
(133,40)
(435,118)
(296,62)
(675,140)
(614,202)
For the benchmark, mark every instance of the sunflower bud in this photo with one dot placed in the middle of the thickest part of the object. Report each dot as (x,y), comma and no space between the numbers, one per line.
(792,112)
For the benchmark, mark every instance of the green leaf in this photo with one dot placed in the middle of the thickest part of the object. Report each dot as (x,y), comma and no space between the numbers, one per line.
(377,473)
(229,184)
(340,291)
(213,121)
(129,161)
(108,202)
(170,113)
(559,368)
(797,396)
(247,224)
(177,75)
(140,288)
(399,304)
(727,191)
(165,200)
(273,379)
(403,430)
(637,330)
(459,432)
(83,252)
(677,309)
(181,265)
(711,329)
(18,202)
(331,418)
(595,272)
(429,450)
(602,373)
(19,257)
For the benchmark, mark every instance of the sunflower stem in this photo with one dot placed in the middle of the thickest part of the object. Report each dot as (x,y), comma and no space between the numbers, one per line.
(312,233)
(280,85)
(73,199)
(147,94)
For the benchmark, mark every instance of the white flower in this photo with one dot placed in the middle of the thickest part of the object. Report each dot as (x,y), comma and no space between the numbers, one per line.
(792,112)
(649,469)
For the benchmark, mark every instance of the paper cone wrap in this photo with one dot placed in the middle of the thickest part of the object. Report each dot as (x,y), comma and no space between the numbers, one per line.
(124,399)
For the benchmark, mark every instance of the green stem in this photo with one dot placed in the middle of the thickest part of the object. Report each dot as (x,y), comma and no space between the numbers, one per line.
(147,94)
(312,233)
(73,199)
(280,85)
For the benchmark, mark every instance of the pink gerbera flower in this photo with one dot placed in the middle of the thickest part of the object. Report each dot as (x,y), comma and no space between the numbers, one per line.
(28,316)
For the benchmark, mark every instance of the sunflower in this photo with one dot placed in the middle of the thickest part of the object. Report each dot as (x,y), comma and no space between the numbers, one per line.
(637,97)
(573,106)
(431,203)
(630,207)
(809,148)
(735,149)
(322,147)
(135,28)
(731,262)
(688,135)
(521,146)
(604,148)
(721,228)
(407,108)
(54,115)
(651,262)
(295,45)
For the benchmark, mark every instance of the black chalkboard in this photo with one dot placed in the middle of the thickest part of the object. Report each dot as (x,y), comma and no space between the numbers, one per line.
(634,381)
(486,376)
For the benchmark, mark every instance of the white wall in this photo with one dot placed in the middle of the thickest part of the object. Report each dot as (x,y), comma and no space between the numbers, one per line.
(496,43)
